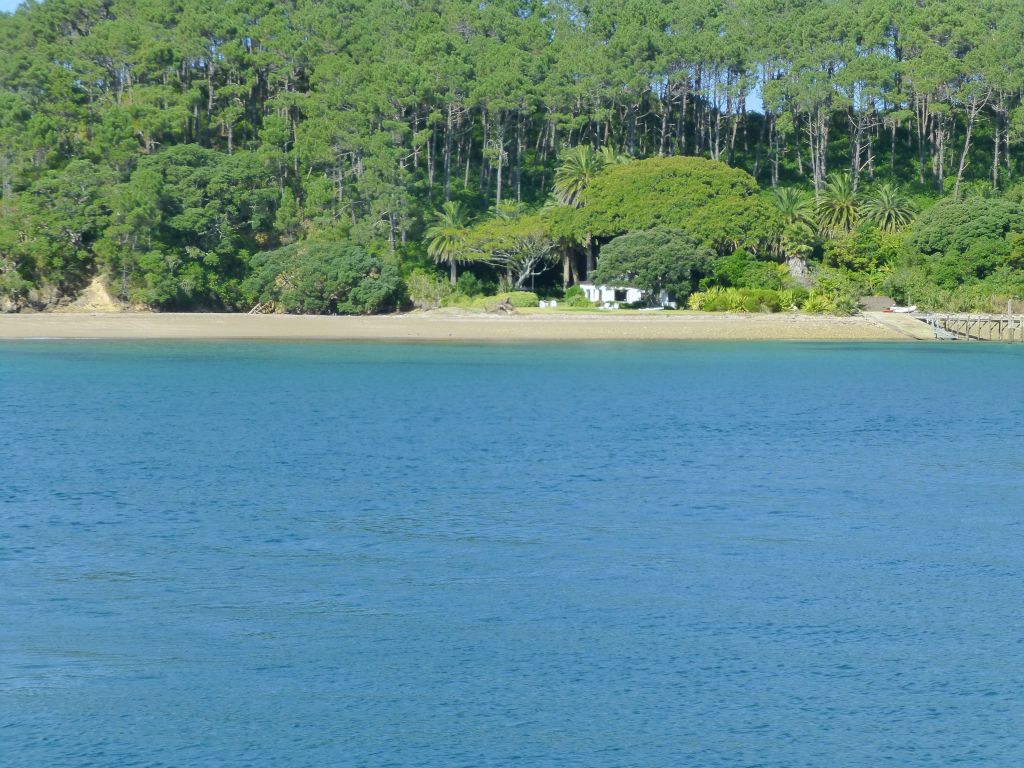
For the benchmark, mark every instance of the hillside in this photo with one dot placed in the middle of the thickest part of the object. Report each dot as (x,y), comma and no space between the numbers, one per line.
(167,144)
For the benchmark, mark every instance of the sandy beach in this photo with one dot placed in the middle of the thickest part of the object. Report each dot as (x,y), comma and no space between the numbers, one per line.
(459,326)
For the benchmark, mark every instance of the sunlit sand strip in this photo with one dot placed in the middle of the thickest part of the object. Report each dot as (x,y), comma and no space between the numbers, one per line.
(449,325)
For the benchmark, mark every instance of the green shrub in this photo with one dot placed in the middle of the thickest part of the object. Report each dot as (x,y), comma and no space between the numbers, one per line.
(711,300)
(522,298)
(472,286)
(325,279)
(575,297)
(844,288)
(792,298)
(981,259)
(427,290)
(911,285)
(13,285)
(741,270)
(952,226)
(742,300)
(819,303)
(518,299)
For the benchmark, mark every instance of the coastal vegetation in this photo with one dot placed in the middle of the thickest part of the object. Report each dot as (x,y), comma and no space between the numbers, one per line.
(318,156)
(325,278)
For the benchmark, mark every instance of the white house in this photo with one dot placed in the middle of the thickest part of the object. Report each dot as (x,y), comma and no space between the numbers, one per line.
(613,295)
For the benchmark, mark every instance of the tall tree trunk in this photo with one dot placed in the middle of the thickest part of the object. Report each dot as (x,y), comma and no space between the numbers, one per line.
(520,141)
(921,105)
(775,144)
(681,125)
(995,154)
(974,106)
(449,130)
(210,70)
(430,158)
(817,137)
(666,106)
(484,165)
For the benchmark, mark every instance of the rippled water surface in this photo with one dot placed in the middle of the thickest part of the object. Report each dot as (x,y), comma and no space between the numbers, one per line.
(592,555)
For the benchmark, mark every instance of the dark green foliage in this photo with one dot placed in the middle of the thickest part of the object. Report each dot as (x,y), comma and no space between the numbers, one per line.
(518,299)
(839,206)
(741,270)
(864,249)
(325,279)
(887,209)
(951,227)
(982,258)
(183,226)
(61,218)
(837,291)
(710,202)
(655,260)
(719,299)
(471,286)
(168,142)
(968,241)
(575,297)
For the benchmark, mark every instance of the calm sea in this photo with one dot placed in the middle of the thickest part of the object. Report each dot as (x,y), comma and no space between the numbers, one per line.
(262,554)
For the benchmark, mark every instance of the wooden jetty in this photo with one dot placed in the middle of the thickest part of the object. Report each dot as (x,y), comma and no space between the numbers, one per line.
(1007,328)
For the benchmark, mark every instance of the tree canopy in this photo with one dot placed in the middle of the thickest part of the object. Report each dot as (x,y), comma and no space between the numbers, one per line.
(169,142)
(714,204)
(655,260)
(325,279)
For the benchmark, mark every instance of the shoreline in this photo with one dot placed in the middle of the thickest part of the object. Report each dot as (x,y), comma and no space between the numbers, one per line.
(461,326)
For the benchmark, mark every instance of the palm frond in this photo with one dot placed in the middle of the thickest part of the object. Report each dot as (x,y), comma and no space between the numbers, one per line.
(838,209)
(888,209)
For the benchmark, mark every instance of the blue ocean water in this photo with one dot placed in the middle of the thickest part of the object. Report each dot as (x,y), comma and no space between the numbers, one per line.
(264,554)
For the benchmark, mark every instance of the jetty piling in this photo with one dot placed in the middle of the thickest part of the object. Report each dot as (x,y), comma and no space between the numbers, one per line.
(975,327)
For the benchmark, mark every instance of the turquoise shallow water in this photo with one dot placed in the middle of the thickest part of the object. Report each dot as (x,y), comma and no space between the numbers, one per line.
(592,555)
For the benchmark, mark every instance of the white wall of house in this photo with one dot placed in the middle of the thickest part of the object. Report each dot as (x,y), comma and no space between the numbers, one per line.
(612,294)
(617,294)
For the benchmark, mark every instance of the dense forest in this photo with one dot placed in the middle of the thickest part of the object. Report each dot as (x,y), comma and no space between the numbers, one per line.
(331,155)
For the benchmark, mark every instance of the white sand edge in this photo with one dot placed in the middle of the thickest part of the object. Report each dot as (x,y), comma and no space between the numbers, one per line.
(447,325)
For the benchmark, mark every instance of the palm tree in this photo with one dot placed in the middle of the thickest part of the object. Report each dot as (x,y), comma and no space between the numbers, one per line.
(610,157)
(838,207)
(572,178)
(888,210)
(506,210)
(796,212)
(793,206)
(446,238)
(796,243)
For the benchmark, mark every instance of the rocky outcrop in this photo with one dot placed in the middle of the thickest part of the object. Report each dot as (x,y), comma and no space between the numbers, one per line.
(50,298)
(42,299)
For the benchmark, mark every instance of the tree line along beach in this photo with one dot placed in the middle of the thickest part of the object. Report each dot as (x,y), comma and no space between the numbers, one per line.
(361,158)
